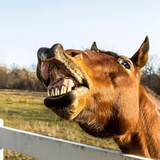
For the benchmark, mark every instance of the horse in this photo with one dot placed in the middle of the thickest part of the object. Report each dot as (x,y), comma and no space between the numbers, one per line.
(101,91)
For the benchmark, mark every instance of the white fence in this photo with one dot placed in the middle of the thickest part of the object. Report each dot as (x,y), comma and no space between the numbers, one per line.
(48,148)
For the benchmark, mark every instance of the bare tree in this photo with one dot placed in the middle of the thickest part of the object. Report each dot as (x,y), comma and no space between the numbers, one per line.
(3,76)
(150,76)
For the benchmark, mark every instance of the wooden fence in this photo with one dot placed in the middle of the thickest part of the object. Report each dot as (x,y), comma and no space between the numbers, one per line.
(49,148)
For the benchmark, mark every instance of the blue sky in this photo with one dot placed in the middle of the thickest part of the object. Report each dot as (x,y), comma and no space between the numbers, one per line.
(118,26)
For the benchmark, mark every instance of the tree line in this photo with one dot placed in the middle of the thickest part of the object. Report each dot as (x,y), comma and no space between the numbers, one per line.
(150,74)
(16,77)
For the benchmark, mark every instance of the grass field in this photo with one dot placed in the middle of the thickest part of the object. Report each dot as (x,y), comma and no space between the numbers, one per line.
(25,110)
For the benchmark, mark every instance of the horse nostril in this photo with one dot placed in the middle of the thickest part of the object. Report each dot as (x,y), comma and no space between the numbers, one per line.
(56,49)
(47,53)
(43,54)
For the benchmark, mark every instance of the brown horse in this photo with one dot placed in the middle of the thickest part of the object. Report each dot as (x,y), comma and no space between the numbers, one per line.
(102,92)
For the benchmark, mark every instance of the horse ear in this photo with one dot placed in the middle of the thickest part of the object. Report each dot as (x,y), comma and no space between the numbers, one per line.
(141,56)
(94,47)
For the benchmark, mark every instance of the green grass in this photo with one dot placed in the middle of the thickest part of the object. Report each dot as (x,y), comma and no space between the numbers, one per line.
(25,110)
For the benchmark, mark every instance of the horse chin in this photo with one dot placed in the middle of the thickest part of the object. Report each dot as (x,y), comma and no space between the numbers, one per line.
(68,105)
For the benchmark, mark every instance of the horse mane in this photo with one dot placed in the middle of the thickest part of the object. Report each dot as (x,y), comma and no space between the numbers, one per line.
(110,53)
(105,52)
(151,92)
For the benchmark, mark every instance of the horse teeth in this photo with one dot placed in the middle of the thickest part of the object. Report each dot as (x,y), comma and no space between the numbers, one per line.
(52,92)
(69,88)
(57,92)
(63,90)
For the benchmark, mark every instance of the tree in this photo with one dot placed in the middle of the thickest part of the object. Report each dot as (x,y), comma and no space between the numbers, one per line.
(20,78)
(150,76)
(3,76)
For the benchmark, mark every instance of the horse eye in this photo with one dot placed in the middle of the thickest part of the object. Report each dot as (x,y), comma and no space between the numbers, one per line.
(126,64)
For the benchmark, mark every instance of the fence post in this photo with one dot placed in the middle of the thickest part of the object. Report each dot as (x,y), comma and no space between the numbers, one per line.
(1,149)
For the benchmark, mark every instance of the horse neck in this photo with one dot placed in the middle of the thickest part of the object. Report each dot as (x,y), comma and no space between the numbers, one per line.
(145,139)
(150,117)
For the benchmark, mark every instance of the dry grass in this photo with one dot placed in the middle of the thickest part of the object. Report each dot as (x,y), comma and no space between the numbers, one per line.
(25,110)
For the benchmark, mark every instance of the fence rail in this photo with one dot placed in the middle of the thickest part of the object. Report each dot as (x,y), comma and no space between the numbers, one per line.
(49,148)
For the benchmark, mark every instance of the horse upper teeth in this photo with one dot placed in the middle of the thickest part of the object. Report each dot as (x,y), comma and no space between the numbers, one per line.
(60,87)
(69,88)
(52,92)
(63,89)
(56,92)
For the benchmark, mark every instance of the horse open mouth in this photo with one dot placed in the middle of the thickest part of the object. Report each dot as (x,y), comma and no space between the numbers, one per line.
(61,87)
(64,80)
